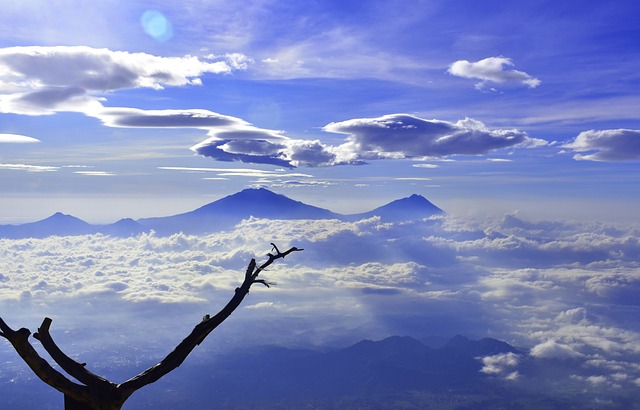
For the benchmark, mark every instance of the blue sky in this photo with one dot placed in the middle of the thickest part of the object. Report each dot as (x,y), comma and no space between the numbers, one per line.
(520,119)
(131,109)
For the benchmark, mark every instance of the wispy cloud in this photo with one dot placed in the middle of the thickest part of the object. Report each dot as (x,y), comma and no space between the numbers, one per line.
(17,139)
(492,70)
(95,173)
(429,166)
(29,168)
(246,172)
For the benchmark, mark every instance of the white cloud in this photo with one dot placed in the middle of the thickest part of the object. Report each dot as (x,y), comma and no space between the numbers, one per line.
(606,145)
(100,69)
(28,168)
(46,80)
(501,365)
(492,70)
(298,183)
(95,173)
(17,139)
(553,350)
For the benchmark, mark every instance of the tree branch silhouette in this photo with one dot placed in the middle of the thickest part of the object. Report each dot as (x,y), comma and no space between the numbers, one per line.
(98,393)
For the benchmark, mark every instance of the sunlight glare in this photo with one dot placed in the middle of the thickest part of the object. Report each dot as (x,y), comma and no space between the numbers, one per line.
(156,25)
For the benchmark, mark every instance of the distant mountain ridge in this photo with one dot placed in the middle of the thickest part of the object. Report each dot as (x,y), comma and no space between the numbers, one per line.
(218,215)
(392,366)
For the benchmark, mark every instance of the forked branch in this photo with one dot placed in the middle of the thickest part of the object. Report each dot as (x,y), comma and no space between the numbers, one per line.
(99,393)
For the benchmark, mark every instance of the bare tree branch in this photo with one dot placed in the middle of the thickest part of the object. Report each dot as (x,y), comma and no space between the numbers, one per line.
(98,392)
(42,368)
(201,330)
(69,365)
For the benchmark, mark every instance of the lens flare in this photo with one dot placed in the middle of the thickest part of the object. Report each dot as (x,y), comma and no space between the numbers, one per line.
(156,25)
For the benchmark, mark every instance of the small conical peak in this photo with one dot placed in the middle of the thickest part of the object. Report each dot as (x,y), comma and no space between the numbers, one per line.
(262,191)
(60,216)
(417,199)
(126,221)
(254,193)
(413,201)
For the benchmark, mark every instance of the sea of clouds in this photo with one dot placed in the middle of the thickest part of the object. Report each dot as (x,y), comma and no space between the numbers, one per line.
(562,291)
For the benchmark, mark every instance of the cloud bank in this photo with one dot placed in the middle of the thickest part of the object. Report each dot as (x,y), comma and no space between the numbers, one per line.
(565,290)
(565,293)
(492,70)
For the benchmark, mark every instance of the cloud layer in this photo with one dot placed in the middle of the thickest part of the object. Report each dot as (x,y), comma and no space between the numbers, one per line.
(567,291)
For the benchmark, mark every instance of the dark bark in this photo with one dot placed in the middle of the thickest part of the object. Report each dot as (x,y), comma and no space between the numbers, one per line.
(98,393)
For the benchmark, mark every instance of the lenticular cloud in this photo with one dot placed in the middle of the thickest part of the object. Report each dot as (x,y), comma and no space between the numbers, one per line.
(407,136)
(40,80)
(606,145)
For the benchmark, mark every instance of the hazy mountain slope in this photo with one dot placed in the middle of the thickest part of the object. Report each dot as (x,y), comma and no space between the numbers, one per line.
(123,228)
(57,224)
(230,210)
(410,208)
(372,370)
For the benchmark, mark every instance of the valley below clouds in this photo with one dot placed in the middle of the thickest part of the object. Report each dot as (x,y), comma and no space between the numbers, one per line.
(562,292)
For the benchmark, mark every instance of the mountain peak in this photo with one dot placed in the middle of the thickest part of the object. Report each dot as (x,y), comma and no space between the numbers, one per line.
(255,194)
(483,347)
(59,217)
(412,207)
